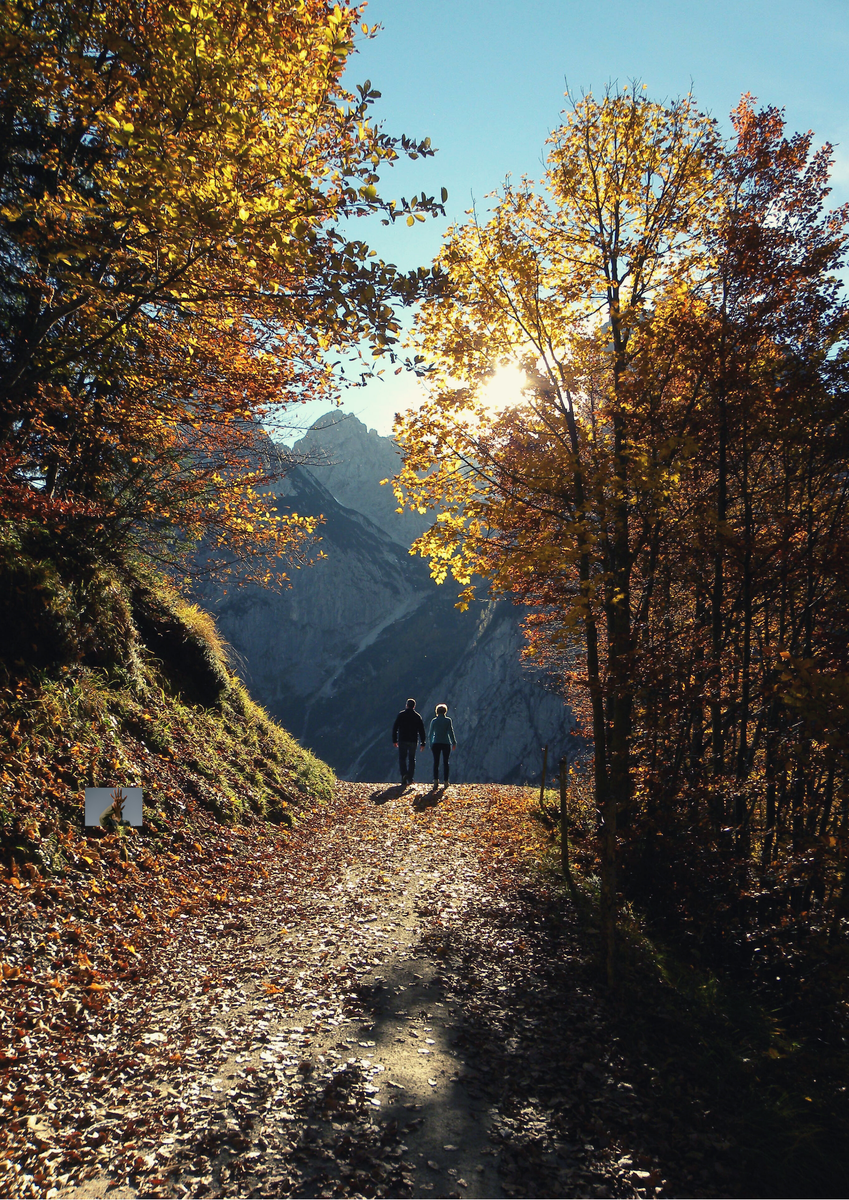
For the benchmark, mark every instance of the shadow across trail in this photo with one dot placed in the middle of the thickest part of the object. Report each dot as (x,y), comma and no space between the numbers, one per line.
(531,1079)
(392,792)
(420,800)
(546,1084)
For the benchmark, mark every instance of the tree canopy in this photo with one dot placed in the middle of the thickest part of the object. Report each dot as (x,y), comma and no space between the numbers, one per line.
(172,179)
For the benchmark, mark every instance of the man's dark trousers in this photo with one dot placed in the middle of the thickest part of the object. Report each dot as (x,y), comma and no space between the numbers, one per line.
(407,759)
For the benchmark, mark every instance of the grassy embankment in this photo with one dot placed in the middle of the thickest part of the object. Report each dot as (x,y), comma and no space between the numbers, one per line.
(105,682)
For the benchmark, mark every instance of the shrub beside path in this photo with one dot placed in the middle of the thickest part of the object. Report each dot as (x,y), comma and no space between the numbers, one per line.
(391,1001)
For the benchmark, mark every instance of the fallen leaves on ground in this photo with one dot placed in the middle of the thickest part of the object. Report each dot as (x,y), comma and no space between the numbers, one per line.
(387,1002)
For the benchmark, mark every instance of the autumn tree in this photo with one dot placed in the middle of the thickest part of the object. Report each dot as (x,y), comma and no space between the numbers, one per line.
(669,493)
(761,587)
(540,499)
(172,180)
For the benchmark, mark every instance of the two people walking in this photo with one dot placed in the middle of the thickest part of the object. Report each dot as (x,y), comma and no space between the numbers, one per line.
(409,730)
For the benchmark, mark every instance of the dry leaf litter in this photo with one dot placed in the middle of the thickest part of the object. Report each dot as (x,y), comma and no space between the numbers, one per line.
(386,1001)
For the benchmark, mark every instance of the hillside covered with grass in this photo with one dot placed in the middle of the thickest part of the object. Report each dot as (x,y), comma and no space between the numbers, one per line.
(111,681)
(108,682)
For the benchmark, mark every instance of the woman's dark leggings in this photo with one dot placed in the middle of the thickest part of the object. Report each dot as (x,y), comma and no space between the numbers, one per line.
(444,749)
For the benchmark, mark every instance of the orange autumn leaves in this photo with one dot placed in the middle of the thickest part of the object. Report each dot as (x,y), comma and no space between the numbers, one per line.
(497,821)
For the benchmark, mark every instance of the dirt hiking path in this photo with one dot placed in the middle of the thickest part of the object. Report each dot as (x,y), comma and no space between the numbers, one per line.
(403,1010)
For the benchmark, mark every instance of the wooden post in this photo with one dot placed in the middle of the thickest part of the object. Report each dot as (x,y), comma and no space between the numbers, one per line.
(564,829)
(564,823)
(542,781)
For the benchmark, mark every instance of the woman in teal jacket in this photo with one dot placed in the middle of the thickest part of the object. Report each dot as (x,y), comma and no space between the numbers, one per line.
(440,739)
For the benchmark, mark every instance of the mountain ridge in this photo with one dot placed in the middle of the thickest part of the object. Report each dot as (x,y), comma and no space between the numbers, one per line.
(351,460)
(335,656)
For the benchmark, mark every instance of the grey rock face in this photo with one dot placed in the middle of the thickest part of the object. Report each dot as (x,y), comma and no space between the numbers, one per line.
(335,657)
(502,713)
(293,643)
(351,460)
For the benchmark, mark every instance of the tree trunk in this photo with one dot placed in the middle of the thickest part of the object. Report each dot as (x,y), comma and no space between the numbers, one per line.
(746,664)
(620,665)
(717,732)
(564,828)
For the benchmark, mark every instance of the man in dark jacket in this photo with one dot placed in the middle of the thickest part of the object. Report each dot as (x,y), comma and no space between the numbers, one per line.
(407,730)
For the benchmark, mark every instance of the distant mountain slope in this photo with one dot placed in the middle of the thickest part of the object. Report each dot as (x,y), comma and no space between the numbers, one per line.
(335,657)
(436,654)
(295,641)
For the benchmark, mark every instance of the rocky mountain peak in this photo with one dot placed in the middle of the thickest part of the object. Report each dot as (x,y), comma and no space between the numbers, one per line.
(350,460)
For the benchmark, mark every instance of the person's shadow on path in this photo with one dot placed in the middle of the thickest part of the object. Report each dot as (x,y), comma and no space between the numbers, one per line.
(395,791)
(389,793)
(427,799)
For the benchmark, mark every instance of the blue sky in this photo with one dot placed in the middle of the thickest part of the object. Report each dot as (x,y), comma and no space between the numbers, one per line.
(486,83)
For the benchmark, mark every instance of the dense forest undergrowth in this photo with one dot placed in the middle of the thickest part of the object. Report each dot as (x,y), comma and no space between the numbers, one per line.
(759,996)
